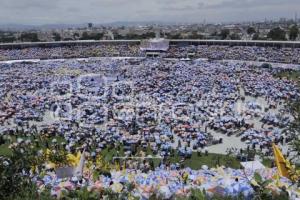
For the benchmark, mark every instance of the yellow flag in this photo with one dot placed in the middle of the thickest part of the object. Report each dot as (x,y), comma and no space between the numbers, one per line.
(118,166)
(73,160)
(124,167)
(47,153)
(281,163)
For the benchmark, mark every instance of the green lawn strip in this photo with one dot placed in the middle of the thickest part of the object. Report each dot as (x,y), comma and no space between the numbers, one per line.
(290,75)
(211,160)
(195,162)
(267,162)
(6,151)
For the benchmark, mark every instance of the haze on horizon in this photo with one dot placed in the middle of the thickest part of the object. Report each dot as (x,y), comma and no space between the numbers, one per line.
(38,12)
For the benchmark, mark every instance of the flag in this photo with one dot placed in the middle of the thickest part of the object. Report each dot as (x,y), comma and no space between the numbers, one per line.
(117,166)
(281,163)
(74,160)
(47,153)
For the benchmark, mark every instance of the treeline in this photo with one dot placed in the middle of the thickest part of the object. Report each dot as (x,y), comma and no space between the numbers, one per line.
(132,36)
(9,37)
(91,36)
(277,33)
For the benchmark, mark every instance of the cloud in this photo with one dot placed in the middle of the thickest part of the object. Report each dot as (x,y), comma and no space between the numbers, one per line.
(103,11)
(250,3)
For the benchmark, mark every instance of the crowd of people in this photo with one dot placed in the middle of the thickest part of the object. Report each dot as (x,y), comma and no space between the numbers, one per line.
(78,51)
(163,103)
(214,52)
(159,105)
(250,53)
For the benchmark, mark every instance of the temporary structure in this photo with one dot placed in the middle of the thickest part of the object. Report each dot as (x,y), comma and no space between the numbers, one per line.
(253,165)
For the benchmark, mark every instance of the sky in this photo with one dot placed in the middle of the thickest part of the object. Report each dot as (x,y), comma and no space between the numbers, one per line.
(37,12)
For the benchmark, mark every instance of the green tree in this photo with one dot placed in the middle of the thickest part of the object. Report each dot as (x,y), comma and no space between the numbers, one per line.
(174,36)
(224,33)
(56,36)
(294,32)
(251,30)
(256,36)
(195,35)
(7,39)
(76,35)
(91,36)
(15,182)
(29,37)
(294,127)
(234,36)
(84,36)
(277,34)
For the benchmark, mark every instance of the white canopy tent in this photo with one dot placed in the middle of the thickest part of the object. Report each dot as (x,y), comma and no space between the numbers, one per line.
(253,165)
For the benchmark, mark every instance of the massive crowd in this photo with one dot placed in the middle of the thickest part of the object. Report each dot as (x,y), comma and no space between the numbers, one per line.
(151,103)
(159,102)
(79,51)
(250,53)
(215,52)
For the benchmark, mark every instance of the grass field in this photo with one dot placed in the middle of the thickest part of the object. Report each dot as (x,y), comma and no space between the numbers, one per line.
(195,162)
(6,151)
(291,75)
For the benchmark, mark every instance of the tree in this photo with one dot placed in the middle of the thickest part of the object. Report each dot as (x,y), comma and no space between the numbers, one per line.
(29,37)
(84,36)
(294,127)
(15,182)
(175,36)
(56,36)
(260,188)
(92,36)
(234,36)
(195,35)
(224,33)
(7,39)
(277,34)
(256,37)
(251,30)
(294,32)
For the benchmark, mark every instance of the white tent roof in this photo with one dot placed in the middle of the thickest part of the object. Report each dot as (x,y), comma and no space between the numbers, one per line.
(253,165)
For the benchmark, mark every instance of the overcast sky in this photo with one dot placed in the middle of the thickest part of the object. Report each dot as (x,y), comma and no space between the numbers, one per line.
(37,12)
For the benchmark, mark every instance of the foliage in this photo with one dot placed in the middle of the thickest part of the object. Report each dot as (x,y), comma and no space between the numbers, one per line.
(197,194)
(91,36)
(59,158)
(195,35)
(76,35)
(7,37)
(234,36)
(224,33)
(277,34)
(29,37)
(251,30)
(133,36)
(56,36)
(293,32)
(256,37)
(15,182)
(260,187)
(82,194)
